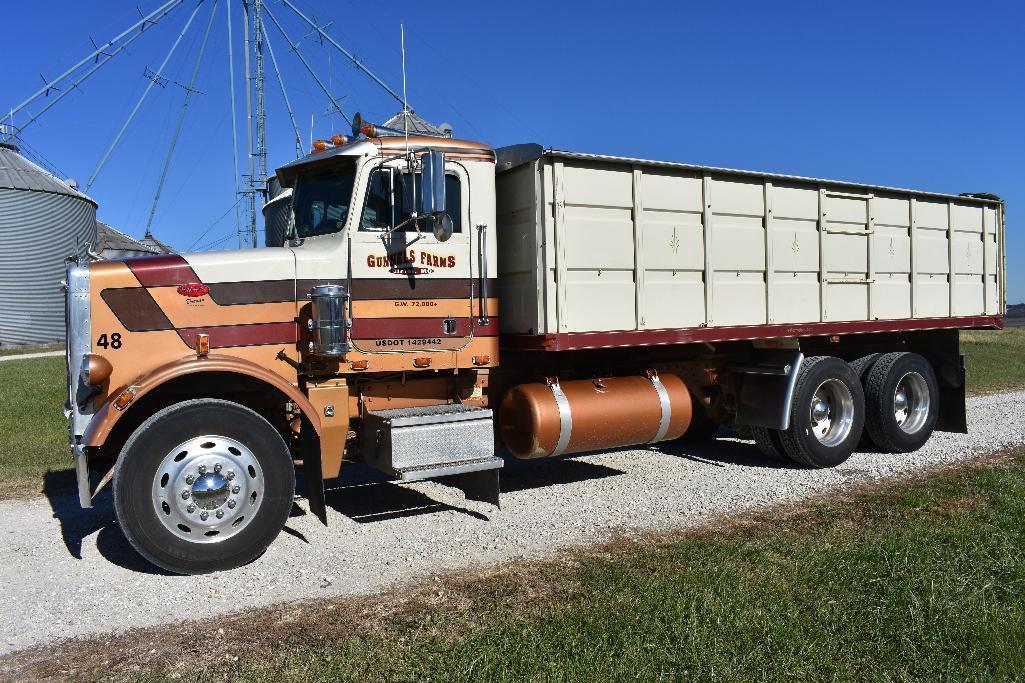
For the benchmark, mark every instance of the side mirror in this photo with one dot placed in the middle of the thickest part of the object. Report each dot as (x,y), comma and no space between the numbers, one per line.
(432,182)
(442,226)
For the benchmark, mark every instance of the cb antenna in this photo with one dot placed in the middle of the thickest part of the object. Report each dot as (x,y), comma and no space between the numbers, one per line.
(405,105)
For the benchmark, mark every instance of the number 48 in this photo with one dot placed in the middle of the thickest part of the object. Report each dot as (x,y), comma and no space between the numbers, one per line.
(113,343)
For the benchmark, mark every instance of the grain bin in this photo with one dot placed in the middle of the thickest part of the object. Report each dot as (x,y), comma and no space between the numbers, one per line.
(42,221)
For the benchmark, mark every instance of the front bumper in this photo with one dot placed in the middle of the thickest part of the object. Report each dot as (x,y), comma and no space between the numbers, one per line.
(79,407)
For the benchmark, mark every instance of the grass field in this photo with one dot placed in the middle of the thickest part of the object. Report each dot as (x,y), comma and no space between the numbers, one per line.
(17,350)
(918,580)
(33,432)
(996,360)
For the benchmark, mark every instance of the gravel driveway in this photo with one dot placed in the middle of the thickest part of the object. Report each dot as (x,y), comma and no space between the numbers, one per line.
(67,572)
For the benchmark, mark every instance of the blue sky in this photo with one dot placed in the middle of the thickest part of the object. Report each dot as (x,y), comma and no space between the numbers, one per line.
(914,94)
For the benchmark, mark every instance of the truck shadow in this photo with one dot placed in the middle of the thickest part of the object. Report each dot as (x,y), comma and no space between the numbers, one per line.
(366,495)
(523,475)
(723,450)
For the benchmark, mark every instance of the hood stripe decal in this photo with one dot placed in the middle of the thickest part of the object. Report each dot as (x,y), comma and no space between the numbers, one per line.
(169,270)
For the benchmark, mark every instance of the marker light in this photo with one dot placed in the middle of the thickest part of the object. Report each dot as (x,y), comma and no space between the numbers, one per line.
(359,364)
(202,344)
(320,145)
(124,398)
(338,140)
(482,360)
(422,362)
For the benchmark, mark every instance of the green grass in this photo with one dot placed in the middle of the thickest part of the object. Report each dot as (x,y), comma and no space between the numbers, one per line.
(923,583)
(17,350)
(921,580)
(996,359)
(33,431)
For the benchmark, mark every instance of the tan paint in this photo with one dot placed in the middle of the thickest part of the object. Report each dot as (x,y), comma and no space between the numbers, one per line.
(334,428)
(420,308)
(418,390)
(202,311)
(107,416)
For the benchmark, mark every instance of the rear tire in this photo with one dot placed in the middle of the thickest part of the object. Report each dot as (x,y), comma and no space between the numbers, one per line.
(861,367)
(827,413)
(202,486)
(901,402)
(770,443)
(701,429)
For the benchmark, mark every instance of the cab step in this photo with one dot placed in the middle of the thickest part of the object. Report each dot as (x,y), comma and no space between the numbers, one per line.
(429,442)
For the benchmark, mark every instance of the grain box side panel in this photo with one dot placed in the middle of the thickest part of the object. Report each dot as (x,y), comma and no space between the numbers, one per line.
(672,254)
(592,215)
(932,258)
(891,257)
(795,253)
(737,259)
(520,291)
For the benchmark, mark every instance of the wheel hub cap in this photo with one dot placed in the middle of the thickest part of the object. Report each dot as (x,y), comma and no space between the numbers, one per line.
(208,489)
(911,402)
(819,411)
(831,414)
(211,491)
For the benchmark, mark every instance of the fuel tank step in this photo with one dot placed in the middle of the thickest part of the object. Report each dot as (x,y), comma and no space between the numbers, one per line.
(430,441)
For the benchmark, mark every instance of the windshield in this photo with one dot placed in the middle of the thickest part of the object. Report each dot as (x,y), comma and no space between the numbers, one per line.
(322,200)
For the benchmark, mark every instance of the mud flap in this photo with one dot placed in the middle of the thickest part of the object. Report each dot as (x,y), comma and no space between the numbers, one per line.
(481,486)
(313,476)
(943,350)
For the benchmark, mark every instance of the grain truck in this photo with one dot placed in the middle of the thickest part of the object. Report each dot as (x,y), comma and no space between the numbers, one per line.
(440,305)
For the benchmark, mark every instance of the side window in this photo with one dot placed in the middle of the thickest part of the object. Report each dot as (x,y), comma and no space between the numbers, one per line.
(390,199)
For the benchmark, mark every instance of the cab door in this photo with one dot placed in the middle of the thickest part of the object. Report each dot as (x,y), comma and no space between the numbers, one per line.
(410,291)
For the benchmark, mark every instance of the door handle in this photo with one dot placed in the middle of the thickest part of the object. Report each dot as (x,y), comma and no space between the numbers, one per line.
(482,229)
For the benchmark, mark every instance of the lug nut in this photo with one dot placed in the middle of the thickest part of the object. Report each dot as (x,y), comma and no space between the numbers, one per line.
(185,494)
(219,513)
(236,488)
(230,474)
(231,503)
(217,467)
(190,479)
(191,508)
(202,469)
(203,515)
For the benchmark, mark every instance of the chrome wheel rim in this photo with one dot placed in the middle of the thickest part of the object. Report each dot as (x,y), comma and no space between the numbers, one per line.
(911,402)
(831,413)
(208,489)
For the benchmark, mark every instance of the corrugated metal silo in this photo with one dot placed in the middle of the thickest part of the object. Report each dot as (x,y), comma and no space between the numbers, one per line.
(276,214)
(42,221)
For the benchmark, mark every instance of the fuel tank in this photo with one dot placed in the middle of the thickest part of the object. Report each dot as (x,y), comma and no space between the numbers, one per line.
(540,420)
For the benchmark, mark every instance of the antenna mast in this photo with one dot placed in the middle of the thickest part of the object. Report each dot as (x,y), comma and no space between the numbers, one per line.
(259,184)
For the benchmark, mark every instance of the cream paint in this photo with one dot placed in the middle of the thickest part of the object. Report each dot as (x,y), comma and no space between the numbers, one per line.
(605,244)
(243,265)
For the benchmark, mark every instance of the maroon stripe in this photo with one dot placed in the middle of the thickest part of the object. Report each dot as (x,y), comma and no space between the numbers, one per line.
(135,309)
(419,328)
(242,335)
(169,270)
(573,341)
(255,292)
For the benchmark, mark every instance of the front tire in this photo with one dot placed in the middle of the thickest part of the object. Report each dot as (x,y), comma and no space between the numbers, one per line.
(203,485)
(827,413)
(901,399)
